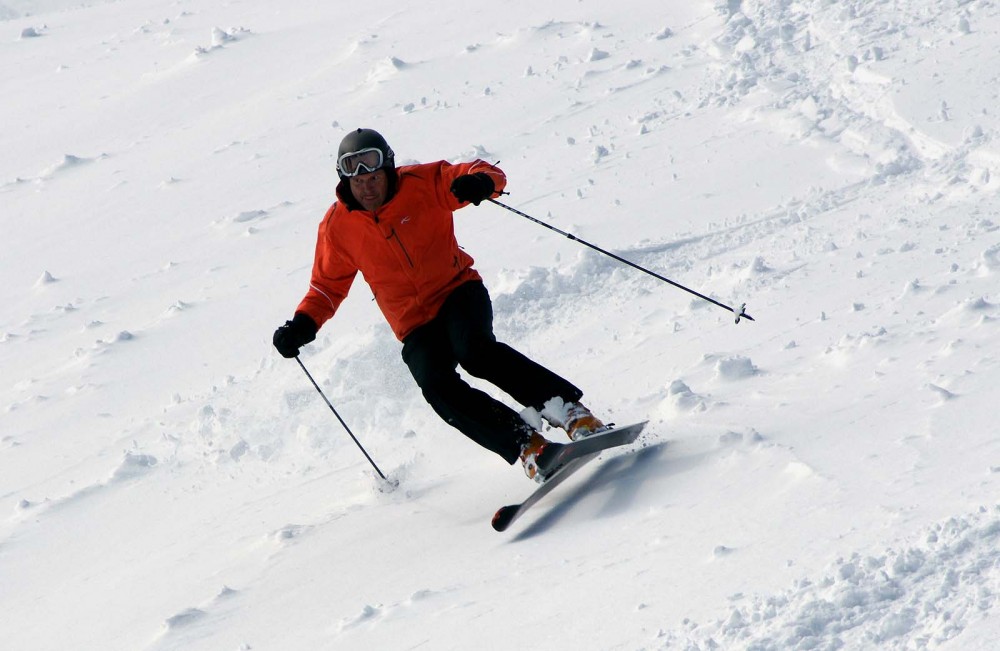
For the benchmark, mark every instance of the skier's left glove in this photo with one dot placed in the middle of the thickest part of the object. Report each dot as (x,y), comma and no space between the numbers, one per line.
(473,188)
(294,335)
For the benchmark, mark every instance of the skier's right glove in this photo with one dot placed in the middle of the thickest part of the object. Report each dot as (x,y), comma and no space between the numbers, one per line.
(294,335)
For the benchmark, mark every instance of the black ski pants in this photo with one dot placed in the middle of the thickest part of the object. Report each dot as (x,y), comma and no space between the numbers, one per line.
(462,334)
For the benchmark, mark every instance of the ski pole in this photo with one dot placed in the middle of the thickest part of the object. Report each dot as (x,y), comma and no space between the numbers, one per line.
(330,405)
(740,314)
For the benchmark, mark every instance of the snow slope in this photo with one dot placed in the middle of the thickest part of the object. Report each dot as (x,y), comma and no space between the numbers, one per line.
(823,477)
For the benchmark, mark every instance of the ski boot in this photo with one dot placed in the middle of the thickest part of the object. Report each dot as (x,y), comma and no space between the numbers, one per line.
(534,452)
(580,423)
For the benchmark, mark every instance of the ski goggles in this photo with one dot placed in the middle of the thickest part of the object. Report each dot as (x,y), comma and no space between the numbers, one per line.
(365,161)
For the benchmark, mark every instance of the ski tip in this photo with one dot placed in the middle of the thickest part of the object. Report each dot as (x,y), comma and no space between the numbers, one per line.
(503,517)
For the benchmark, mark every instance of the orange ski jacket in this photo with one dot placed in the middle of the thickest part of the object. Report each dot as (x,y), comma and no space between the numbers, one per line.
(406,250)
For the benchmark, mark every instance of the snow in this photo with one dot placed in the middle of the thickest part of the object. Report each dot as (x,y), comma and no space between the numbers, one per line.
(822,477)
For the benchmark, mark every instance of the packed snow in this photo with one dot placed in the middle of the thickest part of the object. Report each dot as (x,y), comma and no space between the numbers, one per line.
(824,476)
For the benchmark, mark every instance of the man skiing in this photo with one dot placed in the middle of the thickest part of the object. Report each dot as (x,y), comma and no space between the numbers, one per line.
(395,226)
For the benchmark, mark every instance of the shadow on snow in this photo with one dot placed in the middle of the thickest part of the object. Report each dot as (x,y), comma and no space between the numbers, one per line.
(623,474)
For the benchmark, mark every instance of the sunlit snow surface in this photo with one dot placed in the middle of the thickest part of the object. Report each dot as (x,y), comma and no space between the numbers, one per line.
(823,477)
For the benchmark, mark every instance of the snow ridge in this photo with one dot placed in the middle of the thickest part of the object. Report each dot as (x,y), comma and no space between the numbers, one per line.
(918,596)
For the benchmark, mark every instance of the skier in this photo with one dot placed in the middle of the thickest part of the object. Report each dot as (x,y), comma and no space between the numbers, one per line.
(396,227)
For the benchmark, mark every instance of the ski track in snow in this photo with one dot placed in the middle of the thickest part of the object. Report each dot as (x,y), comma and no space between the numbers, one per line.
(833,164)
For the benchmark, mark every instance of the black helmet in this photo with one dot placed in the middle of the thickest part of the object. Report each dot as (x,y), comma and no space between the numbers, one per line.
(362,151)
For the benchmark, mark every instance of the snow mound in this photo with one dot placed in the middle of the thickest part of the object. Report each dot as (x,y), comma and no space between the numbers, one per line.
(735,367)
(920,595)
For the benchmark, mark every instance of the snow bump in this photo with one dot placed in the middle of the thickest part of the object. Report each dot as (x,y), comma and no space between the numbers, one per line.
(735,367)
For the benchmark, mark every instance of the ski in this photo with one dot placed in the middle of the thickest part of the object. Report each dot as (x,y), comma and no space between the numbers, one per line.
(571,458)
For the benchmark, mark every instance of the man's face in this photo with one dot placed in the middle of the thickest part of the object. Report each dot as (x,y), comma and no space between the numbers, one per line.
(370,189)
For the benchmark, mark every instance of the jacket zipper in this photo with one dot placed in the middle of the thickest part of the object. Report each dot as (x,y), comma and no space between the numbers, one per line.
(402,248)
(394,235)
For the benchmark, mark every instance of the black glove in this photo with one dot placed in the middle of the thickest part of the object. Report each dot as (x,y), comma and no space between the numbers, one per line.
(294,335)
(473,187)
